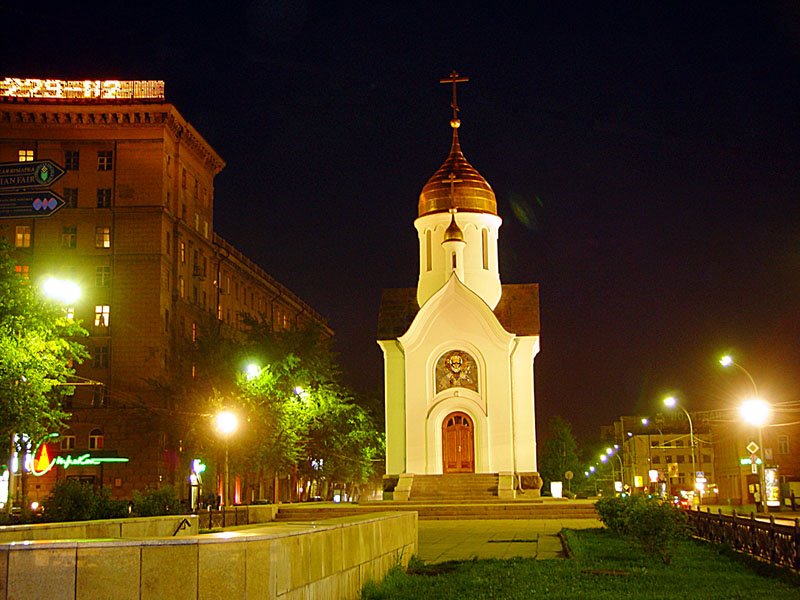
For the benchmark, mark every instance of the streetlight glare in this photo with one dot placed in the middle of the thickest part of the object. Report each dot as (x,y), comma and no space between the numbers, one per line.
(226,422)
(755,411)
(645,421)
(603,457)
(251,371)
(61,290)
(726,361)
(670,401)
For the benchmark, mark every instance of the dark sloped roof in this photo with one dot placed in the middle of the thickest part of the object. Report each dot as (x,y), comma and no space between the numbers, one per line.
(517,311)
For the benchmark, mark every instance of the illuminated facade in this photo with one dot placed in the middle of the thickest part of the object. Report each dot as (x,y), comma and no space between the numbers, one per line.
(137,234)
(459,348)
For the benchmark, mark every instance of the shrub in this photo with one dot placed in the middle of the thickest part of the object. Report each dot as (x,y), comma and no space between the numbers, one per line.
(653,523)
(155,503)
(72,500)
(611,510)
(656,524)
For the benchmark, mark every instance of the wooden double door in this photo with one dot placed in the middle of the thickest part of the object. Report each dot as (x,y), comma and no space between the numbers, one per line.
(458,443)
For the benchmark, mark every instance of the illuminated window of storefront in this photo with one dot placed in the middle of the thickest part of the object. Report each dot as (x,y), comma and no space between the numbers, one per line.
(25,155)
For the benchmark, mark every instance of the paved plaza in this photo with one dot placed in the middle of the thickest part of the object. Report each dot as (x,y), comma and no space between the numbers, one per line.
(440,541)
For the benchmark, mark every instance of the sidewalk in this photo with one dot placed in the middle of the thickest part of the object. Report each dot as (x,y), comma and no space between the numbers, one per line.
(441,541)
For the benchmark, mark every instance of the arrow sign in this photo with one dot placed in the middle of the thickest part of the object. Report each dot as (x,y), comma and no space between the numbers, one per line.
(29,204)
(33,174)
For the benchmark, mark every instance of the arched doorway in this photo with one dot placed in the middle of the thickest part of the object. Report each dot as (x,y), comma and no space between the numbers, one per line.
(458,443)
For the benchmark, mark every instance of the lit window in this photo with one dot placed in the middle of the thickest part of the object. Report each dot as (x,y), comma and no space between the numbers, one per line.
(96,439)
(205,229)
(72,160)
(102,237)
(196,222)
(783,444)
(69,236)
(101,315)
(194,371)
(100,357)
(102,276)
(181,287)
(23,271)
(105,160)
(25,155)
(194,332)
(219,312)
(428,250)
(485,248)
(68,442)
(70,197)
(103,197)
(183,252)
(22,237)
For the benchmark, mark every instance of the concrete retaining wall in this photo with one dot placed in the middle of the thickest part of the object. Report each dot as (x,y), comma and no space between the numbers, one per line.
(292,561)
(135,527)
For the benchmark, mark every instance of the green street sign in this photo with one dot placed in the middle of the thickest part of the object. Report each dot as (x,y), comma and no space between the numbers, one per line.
(29,175)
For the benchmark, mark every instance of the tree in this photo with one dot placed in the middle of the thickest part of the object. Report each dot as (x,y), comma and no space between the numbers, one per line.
(38,346)
(295,417)
(559,453)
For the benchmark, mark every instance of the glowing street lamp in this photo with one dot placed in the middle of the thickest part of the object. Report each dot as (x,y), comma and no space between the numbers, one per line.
(672,402)
(62,291)
(226,424)
(756,412)
(252,371)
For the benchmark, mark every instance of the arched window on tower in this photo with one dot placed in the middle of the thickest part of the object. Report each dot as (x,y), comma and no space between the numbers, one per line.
(428,250)
(485,247)
(454,261)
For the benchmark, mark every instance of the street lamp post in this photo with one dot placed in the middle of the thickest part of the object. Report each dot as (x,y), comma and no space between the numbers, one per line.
(671,402)
(610,452)
(226,423)
(756,412)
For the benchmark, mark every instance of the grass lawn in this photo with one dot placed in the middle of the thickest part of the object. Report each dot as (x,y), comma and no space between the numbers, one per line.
(604,566)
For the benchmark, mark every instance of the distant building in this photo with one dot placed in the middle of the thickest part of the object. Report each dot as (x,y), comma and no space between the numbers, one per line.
(137,233)
(659,456)
(723,456)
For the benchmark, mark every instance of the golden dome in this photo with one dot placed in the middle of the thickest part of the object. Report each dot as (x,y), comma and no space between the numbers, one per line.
(453,232)
(470,191)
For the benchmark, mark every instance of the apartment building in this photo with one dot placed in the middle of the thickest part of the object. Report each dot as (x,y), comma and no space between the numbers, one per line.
(136,232)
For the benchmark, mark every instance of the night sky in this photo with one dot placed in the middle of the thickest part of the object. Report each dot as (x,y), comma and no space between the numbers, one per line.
(645,157)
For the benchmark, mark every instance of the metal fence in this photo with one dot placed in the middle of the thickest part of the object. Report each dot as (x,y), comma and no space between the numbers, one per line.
(764,539)
(212,519)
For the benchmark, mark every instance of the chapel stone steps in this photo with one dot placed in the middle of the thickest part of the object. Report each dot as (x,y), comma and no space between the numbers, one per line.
(455,487)
(441,511)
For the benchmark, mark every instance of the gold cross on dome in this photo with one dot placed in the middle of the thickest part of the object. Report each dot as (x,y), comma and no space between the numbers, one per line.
(454,79)
(453,180)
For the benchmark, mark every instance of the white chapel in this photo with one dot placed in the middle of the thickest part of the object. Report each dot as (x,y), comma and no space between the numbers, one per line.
(459,348)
